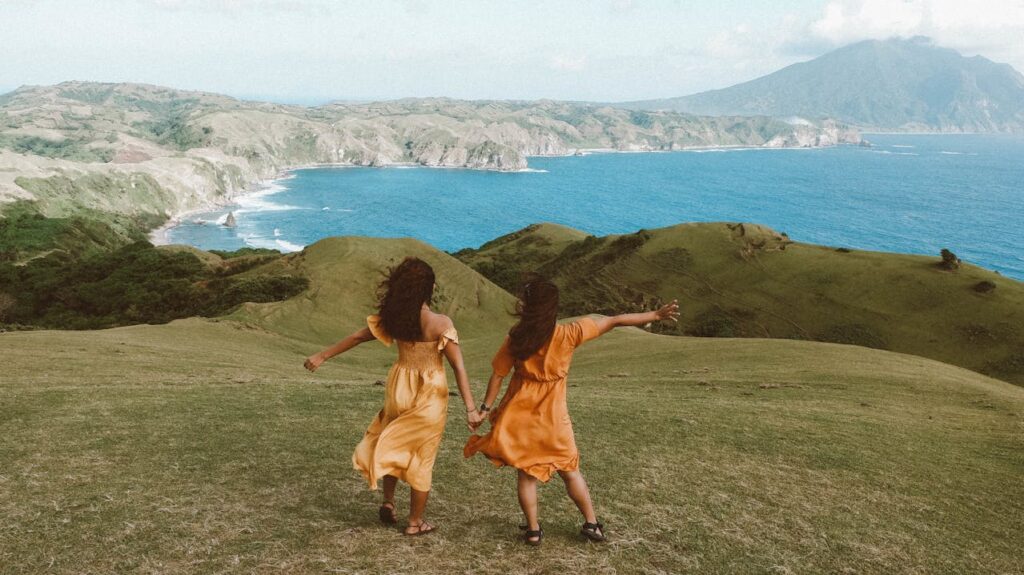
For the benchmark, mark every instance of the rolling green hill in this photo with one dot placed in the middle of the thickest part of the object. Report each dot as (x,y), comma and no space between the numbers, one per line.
(745,280)
(203,446)
(344,273)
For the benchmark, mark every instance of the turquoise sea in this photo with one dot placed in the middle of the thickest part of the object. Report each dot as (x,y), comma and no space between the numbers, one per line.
(906,193)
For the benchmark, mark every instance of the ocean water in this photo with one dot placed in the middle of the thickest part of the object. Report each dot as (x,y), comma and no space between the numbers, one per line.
(907,193)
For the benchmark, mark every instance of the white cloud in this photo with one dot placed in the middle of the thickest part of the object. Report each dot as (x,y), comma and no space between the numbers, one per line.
(993,28)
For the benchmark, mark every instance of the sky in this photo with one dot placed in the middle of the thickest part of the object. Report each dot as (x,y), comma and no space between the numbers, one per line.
(313,51)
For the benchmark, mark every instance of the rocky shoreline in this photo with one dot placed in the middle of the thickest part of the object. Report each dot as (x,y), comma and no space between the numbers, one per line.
(156,153)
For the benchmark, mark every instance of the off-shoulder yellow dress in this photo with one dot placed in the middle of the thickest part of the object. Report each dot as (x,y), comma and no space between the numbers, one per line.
(403,439)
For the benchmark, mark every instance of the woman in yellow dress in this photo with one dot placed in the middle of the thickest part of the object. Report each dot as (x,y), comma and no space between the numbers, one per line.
(530,428)
(401,442)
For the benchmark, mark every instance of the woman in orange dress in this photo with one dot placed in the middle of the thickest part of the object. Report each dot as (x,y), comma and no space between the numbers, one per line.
(401,442)
(530,428)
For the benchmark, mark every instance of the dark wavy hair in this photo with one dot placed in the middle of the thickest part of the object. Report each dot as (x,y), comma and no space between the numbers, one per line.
(406,287)
(537,310)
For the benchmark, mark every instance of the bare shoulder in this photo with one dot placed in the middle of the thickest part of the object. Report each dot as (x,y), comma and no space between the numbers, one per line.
(435,324)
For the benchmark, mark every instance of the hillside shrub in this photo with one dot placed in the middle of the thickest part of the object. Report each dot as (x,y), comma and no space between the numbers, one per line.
(137,283)
(949,260)
(984,286)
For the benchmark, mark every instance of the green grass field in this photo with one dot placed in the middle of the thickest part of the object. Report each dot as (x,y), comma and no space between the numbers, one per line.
(202,446)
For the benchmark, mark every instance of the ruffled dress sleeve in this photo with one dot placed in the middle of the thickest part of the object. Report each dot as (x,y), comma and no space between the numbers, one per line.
(377,329)
(582,331)
(449,336)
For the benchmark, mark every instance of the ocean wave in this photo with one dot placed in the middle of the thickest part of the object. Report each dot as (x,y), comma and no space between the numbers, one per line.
(888,153)
(902,146)
(948,153)
(287,246)
(277,232)
(256,241)
(257,201)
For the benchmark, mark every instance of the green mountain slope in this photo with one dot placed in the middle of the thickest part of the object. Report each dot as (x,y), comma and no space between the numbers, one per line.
(344,274)
(745,280)
(894,84)
(203,445)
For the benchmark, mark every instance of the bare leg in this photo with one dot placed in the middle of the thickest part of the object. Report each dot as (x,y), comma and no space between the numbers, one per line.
(527,485)
(417,504)
(387,513)
(390,481)
(576,487)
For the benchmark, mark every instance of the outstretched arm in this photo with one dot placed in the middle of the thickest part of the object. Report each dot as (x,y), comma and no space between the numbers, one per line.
(362,336)
(669,311)
(453,352)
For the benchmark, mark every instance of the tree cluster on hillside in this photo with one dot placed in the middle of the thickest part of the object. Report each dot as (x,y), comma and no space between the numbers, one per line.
(137,283)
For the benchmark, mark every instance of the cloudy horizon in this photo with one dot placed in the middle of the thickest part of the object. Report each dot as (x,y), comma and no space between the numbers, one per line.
(310,51)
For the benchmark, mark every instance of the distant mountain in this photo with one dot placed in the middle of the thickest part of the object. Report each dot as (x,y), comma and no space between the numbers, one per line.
(896,84)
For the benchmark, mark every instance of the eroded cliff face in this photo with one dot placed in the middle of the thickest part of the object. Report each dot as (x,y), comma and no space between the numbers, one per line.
(78,146)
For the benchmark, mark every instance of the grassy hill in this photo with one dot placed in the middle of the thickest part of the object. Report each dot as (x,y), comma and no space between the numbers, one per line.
(344,273)
(745,280)
(203,446)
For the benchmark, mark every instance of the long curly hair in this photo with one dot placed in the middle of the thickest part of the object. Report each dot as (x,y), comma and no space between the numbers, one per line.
(537,311)
(406,287)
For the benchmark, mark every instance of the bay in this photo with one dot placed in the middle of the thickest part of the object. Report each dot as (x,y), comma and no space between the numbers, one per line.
(906,193)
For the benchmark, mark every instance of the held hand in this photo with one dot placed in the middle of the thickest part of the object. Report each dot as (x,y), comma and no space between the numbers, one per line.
(669,311)
(474,419)
(314,361)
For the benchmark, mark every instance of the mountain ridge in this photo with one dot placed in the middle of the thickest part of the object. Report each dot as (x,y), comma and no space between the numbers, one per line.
(896,84)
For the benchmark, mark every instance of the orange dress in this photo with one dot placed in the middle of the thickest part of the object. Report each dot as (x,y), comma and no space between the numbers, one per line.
(530,428)
(403,439)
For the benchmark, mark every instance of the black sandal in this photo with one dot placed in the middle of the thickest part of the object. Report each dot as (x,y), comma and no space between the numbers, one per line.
(422,528)
(387,514)
(593,532)
(530,534)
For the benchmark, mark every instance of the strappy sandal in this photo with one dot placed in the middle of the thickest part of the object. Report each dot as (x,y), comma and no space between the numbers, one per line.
(593,532)
(422,529)
(530,534)
(387,514)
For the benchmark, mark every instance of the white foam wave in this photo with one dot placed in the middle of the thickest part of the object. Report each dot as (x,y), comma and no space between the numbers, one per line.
(902,146)
(888,153)
(257,201)
(325,209)
(288,246)
(277,232)
(947,153)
